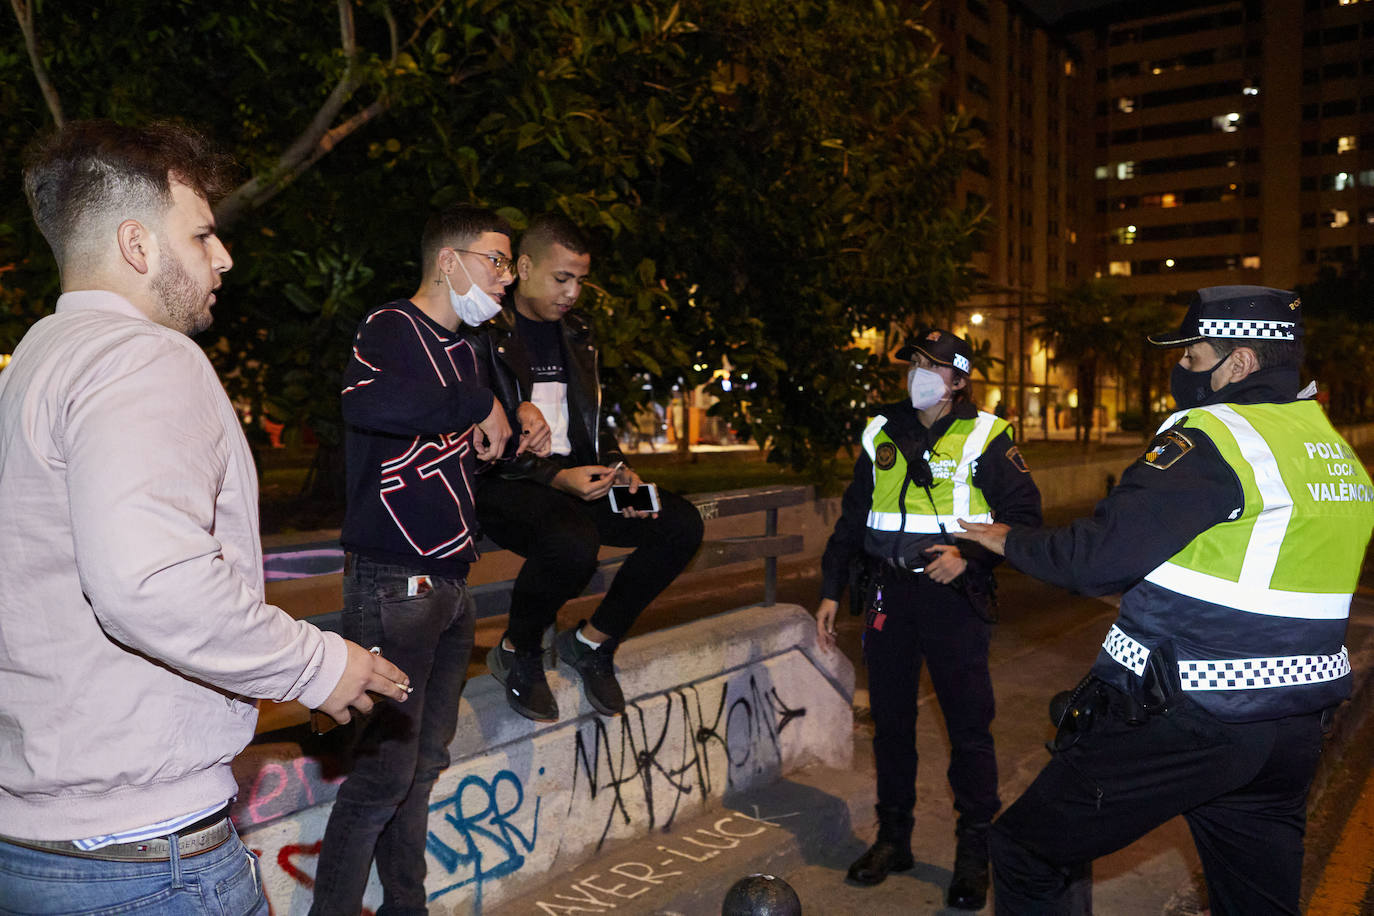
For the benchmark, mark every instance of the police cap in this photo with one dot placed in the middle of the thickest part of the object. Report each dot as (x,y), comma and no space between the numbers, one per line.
(940,347)
(1237,312)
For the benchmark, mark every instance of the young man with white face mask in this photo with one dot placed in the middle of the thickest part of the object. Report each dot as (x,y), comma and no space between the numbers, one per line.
(926,462)
(416,420)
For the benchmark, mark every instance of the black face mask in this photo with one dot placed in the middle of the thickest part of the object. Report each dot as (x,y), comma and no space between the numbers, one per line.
(1191,388)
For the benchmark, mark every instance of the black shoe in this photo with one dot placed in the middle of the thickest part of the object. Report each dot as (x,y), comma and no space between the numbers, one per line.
(596,668)
(881,858)
(968,889)
(522,674)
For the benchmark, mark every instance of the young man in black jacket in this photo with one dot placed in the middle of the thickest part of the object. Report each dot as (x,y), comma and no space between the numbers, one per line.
(541,361)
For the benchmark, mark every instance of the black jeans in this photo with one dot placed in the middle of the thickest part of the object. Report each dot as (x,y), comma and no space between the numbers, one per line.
(924,620)
(1242,787)
(559,536)
(383,806)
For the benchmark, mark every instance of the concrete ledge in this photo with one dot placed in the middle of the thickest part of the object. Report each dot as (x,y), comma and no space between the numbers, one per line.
(718,706)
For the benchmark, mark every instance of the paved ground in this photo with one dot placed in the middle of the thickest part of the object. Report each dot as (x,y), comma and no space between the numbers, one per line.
(812,825)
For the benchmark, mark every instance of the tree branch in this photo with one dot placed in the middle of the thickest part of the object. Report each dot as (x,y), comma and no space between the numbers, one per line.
(318,138)
(327,142)
(306,148)
(23,11)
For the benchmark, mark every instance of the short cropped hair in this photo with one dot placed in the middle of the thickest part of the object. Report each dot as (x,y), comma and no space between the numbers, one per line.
(457,227)
(85,178)
(1272,354)
(549,229)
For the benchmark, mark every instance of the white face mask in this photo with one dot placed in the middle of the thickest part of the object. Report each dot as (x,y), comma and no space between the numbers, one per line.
(474,306)
(927,388)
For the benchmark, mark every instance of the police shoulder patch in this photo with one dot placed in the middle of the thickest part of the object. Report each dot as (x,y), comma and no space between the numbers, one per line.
(1167,448)
(1017,459)
(885,456)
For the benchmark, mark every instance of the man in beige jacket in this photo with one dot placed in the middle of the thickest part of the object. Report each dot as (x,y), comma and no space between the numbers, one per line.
(134,637)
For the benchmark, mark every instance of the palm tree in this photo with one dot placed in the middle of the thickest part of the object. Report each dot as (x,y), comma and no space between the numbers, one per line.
(1082,325)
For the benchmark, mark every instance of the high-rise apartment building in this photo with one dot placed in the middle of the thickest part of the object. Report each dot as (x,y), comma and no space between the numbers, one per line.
(1232,142)
(1019,82)
(1171,145)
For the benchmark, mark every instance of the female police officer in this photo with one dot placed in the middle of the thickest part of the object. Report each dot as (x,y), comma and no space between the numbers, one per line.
(927,462)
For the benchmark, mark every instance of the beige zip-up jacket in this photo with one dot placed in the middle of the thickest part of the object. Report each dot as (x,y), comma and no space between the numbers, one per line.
(133,630)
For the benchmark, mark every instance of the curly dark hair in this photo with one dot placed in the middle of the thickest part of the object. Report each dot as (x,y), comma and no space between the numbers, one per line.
(87,176)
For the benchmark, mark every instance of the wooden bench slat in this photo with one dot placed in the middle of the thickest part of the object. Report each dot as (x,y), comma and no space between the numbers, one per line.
(752,499)
(741,549)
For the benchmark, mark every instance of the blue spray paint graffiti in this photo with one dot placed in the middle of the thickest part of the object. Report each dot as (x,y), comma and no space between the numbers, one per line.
(480,813)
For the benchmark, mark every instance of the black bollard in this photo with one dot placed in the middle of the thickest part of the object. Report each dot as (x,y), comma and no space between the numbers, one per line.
(761,895)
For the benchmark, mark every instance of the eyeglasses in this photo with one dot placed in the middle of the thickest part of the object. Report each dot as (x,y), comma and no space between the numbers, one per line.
(502,263)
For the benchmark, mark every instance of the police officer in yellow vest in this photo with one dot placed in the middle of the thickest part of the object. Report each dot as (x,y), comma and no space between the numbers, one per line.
(1236,540)
(925,463)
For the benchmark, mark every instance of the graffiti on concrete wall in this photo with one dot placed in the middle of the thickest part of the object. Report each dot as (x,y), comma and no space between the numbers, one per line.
(280,788)
(480,839)
(637,771)
(635,753)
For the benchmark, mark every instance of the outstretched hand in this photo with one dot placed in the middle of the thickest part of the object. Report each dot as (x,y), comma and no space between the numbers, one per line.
(992,535)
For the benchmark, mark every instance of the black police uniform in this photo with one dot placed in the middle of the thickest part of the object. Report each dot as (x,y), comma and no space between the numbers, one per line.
(922,619)
(1134,752)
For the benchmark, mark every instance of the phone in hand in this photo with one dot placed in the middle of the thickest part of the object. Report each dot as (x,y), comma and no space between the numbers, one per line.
(645,499)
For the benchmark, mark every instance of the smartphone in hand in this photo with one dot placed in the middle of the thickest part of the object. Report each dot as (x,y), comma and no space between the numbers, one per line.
(645,499)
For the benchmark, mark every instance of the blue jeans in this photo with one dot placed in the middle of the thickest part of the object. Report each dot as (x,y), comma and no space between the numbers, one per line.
(222,882)
(382,809)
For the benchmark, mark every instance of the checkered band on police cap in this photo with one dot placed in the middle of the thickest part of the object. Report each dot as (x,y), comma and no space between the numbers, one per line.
(1237,313)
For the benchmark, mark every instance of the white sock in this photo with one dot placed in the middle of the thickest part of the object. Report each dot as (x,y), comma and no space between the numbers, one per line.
(585,641)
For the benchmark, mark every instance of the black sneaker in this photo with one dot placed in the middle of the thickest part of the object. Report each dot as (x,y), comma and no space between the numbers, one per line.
(596,668)
(522,674)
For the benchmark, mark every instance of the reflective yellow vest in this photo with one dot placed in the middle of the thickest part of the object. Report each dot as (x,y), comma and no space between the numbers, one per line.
(905,518)
(1276,580)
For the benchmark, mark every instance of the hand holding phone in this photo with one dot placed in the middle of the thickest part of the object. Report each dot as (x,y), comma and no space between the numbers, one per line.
(644,499)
